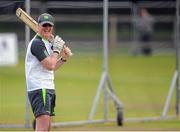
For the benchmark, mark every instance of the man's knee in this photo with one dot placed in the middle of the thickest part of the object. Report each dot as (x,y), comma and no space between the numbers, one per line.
(43,123)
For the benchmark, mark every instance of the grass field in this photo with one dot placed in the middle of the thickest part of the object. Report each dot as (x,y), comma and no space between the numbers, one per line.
(140,82)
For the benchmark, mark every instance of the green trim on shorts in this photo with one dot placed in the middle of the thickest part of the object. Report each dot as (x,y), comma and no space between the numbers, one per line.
(44,96)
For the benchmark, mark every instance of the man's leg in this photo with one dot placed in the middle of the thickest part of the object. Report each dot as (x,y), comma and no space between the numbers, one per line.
(43,123)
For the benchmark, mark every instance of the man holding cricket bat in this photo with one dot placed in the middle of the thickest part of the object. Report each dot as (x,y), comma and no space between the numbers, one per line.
(45,54)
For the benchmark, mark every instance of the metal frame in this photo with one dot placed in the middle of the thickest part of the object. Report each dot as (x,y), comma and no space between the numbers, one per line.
(105,82)
(27,40)
(170,94)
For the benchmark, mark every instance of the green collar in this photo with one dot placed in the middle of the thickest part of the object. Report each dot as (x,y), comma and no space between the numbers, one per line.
(42,37)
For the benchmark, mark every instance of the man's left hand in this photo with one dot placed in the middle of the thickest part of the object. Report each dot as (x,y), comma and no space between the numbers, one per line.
(66,53)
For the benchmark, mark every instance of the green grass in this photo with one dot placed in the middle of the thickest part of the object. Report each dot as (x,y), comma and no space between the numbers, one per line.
(140,82)
(169,125)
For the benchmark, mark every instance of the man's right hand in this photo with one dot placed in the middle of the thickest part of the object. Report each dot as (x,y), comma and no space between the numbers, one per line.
(58,44)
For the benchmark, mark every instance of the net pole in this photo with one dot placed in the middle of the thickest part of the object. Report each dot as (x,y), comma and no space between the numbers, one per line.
(105,51)
(27,39)
(105,35)
(103,81)
(177,57)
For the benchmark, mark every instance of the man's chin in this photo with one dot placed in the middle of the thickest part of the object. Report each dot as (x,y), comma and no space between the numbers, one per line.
(47,36)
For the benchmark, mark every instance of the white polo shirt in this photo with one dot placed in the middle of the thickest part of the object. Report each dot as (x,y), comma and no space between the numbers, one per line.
(37,77)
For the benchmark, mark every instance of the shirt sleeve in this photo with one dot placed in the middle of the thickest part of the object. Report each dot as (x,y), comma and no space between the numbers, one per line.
(39,50)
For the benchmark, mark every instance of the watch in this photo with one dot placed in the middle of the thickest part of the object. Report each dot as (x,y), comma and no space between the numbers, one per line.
(63,60)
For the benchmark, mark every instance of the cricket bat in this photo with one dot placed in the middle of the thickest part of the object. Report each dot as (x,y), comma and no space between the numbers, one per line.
(28,20)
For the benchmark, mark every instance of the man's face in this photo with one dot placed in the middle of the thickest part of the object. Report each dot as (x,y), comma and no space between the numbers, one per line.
(45,30)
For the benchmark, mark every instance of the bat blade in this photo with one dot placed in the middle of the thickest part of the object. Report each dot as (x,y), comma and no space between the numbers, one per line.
(27,19)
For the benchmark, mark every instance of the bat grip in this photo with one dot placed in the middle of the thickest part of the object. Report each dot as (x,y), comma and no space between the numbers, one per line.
(51,40)
(70,52)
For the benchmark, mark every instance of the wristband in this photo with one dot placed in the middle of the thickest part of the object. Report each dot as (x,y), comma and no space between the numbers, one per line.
(63,60)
